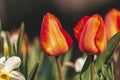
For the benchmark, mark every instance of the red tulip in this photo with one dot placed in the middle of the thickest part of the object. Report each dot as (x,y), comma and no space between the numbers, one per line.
(54,40)
(91,34)
(112,22)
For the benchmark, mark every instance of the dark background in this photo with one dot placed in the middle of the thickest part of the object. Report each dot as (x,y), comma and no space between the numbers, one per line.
(13,12)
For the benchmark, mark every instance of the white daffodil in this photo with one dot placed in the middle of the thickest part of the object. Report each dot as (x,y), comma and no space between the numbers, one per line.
(7,67)
(79,64)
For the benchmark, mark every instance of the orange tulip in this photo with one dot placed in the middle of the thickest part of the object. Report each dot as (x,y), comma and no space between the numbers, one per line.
(54,40)
(79,26)
(112,22)
(91,35)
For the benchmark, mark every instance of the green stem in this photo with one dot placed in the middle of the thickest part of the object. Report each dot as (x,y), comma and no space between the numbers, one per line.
(92,68)
(59,67)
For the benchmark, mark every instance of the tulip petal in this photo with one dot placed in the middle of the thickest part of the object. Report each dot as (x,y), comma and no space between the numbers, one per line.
(12,63)
(101,38)
(112,22)
(15,75)
(68,39)
(79,26)
(52,36)
(90,29)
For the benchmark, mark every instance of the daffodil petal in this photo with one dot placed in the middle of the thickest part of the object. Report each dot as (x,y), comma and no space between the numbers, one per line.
(1,66)
(15,75)
(79,64)
(2,60)
(12,63)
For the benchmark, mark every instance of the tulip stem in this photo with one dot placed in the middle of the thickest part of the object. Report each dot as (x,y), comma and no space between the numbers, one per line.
(59,67)
(92,67)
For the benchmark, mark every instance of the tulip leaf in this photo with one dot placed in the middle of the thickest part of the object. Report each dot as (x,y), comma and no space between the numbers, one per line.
(20,39)
(85,73)
(1,46)
(33,71)
(65,59)
(9,45)
(105,57)
(107,71)
(25,60)
(19,46)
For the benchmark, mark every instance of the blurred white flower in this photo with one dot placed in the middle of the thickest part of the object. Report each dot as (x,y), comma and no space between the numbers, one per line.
(7,67)
(14,39)
(2,60)
(6,48)
(79,64)
(95,57)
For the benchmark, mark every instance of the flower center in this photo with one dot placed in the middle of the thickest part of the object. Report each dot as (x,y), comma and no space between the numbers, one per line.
(4,76)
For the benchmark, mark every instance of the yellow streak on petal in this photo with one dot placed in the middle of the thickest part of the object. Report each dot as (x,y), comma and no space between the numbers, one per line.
(57,43)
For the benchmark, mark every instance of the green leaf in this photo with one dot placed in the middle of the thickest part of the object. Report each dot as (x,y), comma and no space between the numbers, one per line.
(105,57)
(9,45)
(66,58)
(1,46)
(105,72)
(85,73)
(112,69)
(20,39)
(33,71)
(25,60)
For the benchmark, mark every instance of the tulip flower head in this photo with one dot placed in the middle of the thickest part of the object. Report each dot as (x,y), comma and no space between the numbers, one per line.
(54,39)
(112,22)
(91,34)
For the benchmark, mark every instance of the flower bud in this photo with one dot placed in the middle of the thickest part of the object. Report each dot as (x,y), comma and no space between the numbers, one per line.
(92,36)
(53,38)
(112,22)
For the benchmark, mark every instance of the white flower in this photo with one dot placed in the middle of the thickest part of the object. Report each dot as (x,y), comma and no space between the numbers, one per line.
(79,64)
(6,48)
(14,39)
(7,67)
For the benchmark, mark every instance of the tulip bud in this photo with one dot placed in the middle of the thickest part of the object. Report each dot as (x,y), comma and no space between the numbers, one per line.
(112,22)
(53,38)
(92,36)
